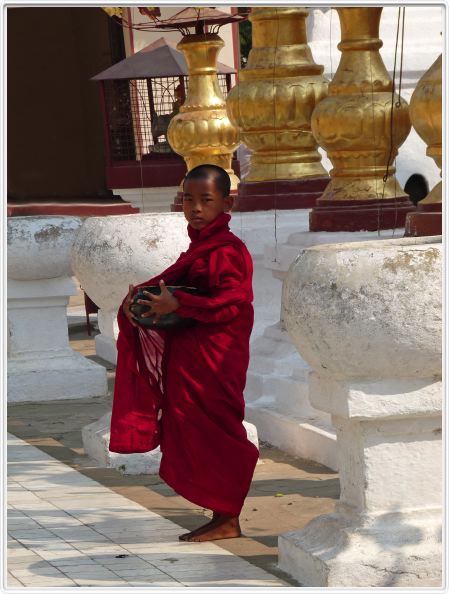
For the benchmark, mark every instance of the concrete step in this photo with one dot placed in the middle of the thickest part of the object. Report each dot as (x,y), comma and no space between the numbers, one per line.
(290,394)
(273,364)
(272,347)
(309,438)
(261,365)
(254,386)
(276,332)
(291,397)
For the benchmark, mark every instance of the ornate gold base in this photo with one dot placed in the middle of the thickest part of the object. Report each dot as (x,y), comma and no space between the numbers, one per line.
(425,222)
(360,215)
(176,205)
(279,194)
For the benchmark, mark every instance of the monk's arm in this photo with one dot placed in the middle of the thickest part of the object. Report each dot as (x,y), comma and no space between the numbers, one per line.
(228,273)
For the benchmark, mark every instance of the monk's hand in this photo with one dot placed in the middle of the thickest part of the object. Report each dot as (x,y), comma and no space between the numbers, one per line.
(159,305)
(128,313)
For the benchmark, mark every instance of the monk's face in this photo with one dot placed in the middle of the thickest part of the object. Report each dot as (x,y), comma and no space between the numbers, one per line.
(203,202)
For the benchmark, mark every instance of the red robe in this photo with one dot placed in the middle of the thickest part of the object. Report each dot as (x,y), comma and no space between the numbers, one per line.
(195,375)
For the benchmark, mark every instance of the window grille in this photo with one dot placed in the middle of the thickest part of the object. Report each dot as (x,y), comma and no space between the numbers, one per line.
(133,108)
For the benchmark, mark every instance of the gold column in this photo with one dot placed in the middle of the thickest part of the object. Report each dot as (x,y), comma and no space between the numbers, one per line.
(272,105)
(201,132)
(353,124)
(426,115)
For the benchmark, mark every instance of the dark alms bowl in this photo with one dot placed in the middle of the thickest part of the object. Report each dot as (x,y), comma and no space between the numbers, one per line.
(167,321)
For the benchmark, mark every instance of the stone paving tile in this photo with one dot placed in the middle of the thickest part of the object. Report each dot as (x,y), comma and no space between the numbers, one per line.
(43,582)
(96,571)
(23,562)
(156,584)
(24,523)
(95,550)
(62,553)
(13,582)
(42,568)
(67,530)
(125,564)
(200,560)
(177,551)
(141,572)
(15,513)
(38,575)
(100,582)
(82,560)
(78,534)
(236,583)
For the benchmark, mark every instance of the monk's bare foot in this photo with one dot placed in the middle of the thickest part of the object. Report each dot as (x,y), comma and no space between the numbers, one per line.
(188,535)
(219,528)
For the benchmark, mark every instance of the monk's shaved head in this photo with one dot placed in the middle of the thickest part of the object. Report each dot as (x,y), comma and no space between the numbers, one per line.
(208,171)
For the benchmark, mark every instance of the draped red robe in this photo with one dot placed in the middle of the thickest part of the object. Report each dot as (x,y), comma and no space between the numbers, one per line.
(194,375)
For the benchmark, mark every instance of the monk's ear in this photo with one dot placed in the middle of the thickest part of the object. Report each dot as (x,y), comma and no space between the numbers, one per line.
(229,203)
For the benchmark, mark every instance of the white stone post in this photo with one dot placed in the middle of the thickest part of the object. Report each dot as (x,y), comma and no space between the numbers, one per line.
(109,254)
(367,319)
(112,252)
(41,364)
(277,393)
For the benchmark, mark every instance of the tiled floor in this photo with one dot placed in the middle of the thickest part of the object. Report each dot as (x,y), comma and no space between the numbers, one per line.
(64,529)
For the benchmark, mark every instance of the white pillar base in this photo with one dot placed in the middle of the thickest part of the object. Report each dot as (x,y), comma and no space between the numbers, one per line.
(393,549)
(64,375)
(106,348)
(106,341)
(310,439)
(388,443)
(41,364)
(96,445)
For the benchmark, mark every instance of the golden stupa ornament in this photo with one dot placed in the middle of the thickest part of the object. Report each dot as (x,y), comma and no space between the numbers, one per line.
(353,124)
(201,132)
(426,115)
(272,105)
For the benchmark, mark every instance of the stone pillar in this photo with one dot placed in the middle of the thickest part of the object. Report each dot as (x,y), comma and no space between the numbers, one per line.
(41,364)
(272,105)
(361,131)
(277,392)
(426,114)
(110,253)
(367,319)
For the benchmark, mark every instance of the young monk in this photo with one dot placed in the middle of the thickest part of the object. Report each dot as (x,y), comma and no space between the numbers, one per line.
(183,388)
